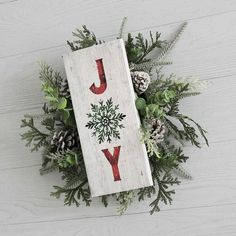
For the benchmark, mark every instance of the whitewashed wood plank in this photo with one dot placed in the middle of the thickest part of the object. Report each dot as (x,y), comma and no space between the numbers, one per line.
(208,221)
(25,196)
(24,29)
(100,76)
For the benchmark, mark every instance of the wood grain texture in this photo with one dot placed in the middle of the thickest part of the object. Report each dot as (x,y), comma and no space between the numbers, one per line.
(37,30)
(40,25)
(114,93)
(204,221)
(214,57)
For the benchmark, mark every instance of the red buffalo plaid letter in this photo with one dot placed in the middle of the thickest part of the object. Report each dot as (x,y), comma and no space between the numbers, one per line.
(113,160)
(103,83)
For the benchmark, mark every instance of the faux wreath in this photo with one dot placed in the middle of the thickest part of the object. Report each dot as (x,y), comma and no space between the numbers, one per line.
(164,130)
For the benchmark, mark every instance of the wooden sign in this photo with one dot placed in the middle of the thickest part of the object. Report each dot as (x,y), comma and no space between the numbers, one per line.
(107,120)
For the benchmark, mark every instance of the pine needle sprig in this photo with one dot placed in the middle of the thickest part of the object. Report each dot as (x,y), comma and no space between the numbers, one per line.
(171,44)
(147,66)
(180,171)
(121,31)
(189,94)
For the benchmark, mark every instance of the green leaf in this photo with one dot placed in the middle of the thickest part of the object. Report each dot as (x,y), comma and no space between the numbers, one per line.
(158,98)
(70,159)
(50,98)
(140,103)
(159,113)
(168,95)
(65,115)
(154,110)
(62,103)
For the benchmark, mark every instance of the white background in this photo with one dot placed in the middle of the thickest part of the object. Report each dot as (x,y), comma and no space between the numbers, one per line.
(37,30)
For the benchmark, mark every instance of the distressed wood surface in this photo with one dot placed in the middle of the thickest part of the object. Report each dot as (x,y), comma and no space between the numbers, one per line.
(36,30)
(206,221)
(100,76)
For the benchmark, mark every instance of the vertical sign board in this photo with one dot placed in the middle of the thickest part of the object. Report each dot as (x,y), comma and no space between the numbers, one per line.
(107,120)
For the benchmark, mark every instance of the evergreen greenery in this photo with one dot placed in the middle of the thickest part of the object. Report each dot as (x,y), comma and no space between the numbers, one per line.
(159,101)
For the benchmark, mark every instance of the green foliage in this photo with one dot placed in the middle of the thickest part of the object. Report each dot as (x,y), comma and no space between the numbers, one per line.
(125,199)
(73,196)
(188,133)
(46,169)
(148,110)
(76,183)
(140,103)
(160,101)
(163,95)
(121,32)
(104,200)
(171,44)
(162,177)
(137,48)
(33,136)
(180,171)
(164,180)
(50,87)
(151,146)
(84,38)
(148,65)
(64,159)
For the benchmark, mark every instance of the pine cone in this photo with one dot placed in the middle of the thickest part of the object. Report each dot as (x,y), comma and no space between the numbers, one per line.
(157,129)
(64,140)
(64,88)
(141,81)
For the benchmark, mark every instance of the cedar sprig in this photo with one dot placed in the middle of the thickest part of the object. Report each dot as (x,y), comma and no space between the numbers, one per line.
(84,38)
(125,199)
(164,182)
(33,136)
(75,188)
